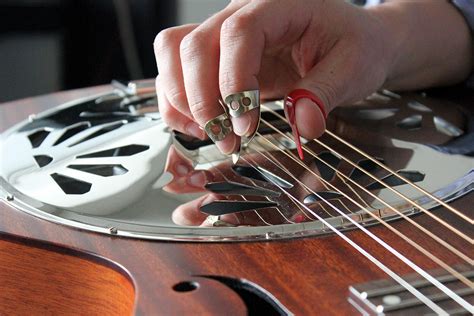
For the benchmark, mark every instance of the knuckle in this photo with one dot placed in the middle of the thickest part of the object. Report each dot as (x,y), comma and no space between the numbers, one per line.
(165,113)
(200,111)
(177,97)
(237,24)
(192,44)
(163,39)
(229,82)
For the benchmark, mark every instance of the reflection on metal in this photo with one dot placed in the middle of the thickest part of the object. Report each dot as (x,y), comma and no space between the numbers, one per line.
(99,162)
(393,181)
(227,207)
(323,195)
(327,164)
(415,105)
(446,128)
(364,164)
(411,123)
(261,174)
(235,188)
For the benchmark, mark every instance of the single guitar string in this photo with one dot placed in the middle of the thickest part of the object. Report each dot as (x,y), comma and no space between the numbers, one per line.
(441,221)
(374,260)
(401,235)
(426,231)
(404,259)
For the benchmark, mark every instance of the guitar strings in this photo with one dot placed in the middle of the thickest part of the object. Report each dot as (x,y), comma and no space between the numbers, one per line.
(428,302)
(439,220)
(279,165)
(363,153)
(426,231)
(458,275)
(435,198)
(242,196)
(404,259)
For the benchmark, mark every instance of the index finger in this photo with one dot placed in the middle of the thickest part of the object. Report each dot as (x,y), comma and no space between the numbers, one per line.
(200,63)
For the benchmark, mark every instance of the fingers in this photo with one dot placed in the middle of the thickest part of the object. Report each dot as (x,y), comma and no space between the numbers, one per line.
(175,119)
(244,37)
(330,80)
(199,52)
(242,46)
(166,47)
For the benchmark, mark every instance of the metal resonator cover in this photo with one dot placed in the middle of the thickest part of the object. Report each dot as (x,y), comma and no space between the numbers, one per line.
(99,164)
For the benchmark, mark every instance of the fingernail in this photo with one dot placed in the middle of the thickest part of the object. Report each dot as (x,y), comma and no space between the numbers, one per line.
(193,129)
(182,170)
(225,146)
(241,125)
(197,179)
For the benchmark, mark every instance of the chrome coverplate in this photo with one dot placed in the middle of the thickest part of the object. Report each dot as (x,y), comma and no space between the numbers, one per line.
(99,164)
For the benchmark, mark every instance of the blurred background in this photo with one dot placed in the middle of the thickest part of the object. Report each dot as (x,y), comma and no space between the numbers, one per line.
(52,45)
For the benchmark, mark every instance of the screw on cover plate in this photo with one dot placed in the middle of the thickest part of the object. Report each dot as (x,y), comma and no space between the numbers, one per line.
(113,230)
(10,197)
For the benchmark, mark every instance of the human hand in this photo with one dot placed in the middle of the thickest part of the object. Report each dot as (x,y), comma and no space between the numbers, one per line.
(338,51)
(328,47)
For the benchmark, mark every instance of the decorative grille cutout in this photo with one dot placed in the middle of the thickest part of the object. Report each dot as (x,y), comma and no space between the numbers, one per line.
(101,170)
(101,131)
(43,160)
(71,185)
(377,114)
(124,151)
(392,180)
(72,131)
(446,128)
(367,165)
(326,172)
(322,195)
(417,106)
(38,137)
(261,174)
(411,123)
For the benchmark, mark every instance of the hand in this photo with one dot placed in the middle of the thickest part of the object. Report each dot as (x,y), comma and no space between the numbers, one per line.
(338,51)
(273,46)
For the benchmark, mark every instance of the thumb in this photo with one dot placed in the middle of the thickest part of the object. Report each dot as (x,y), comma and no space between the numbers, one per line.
(327,80)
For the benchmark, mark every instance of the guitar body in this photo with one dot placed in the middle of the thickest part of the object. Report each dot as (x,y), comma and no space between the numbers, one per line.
(47,267)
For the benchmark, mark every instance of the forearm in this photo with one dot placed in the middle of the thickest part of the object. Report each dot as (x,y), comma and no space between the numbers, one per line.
(428,42)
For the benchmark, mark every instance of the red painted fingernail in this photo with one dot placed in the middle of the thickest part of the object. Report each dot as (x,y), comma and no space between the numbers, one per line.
(290,108)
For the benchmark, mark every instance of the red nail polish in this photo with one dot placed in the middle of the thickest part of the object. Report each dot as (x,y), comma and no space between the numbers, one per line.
(290,109)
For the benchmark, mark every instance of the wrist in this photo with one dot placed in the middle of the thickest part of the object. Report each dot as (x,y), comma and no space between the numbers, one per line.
(428,43)
(395,24)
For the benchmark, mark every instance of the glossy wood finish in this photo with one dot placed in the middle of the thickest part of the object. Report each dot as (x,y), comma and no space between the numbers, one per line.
(37,279)
(308,276)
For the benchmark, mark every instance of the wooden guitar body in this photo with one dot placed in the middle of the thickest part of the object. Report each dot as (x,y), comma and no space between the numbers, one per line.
(50,268)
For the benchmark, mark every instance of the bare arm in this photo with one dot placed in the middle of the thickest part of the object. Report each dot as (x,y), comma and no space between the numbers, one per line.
(430,43)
